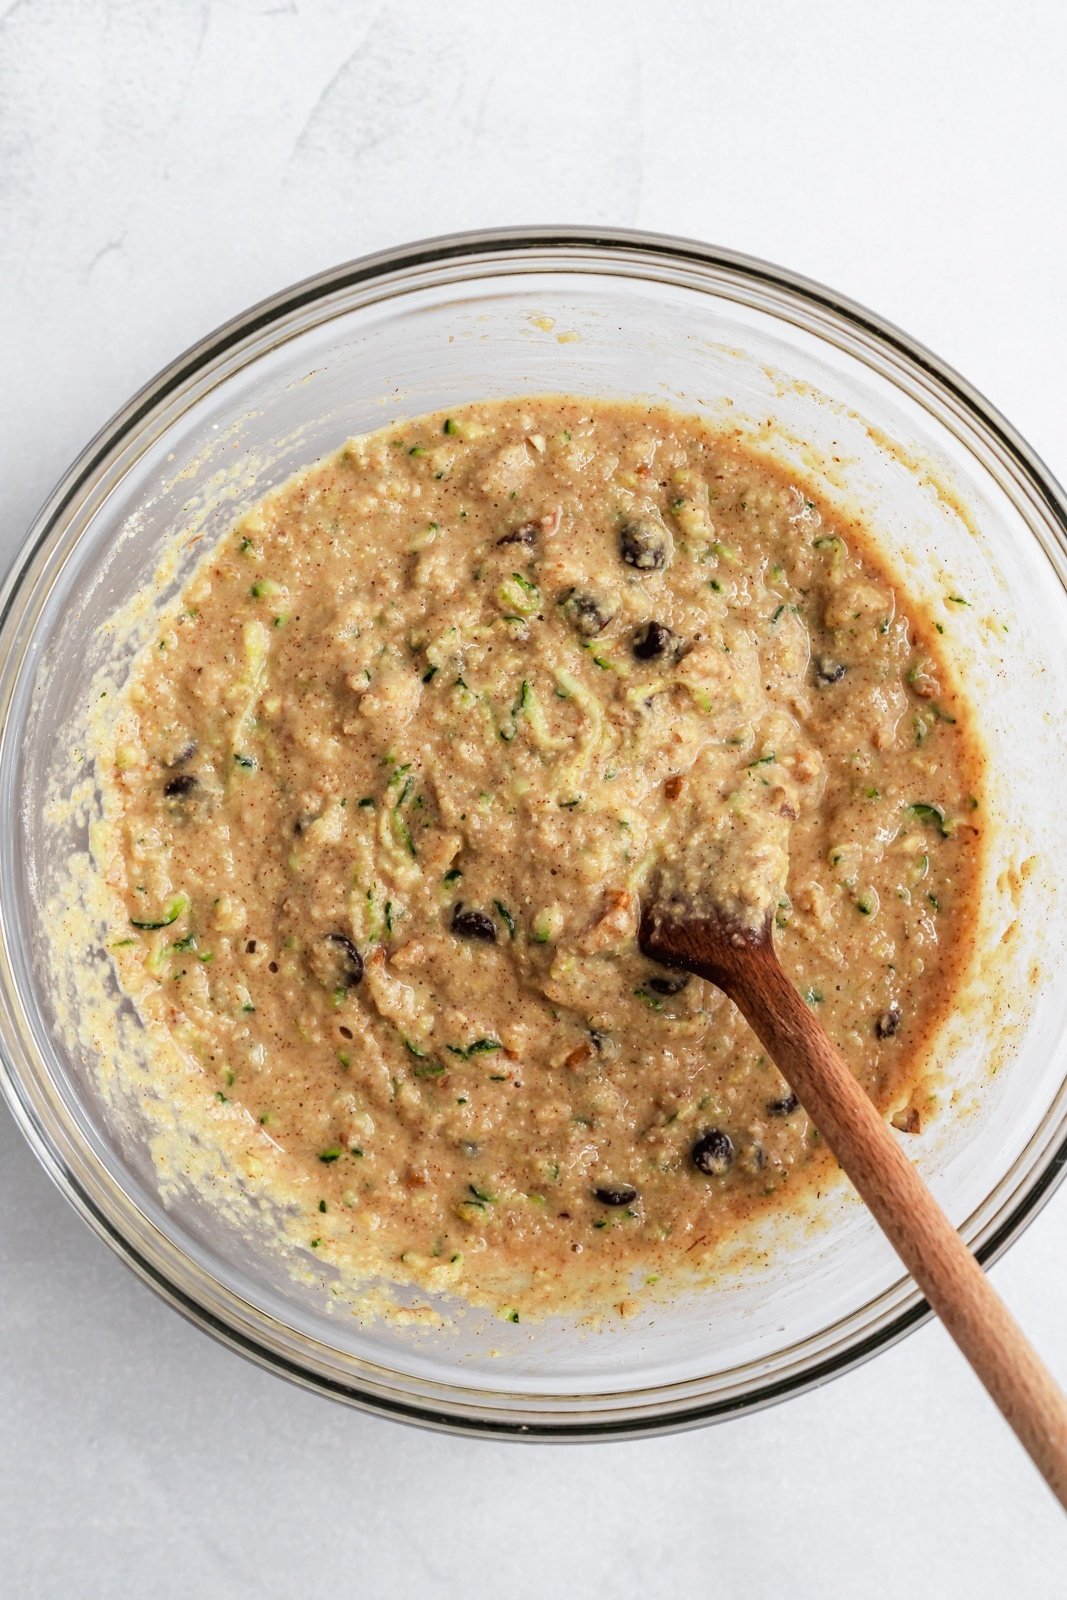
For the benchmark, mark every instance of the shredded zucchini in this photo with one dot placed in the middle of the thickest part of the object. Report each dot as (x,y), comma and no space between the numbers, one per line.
(592,738)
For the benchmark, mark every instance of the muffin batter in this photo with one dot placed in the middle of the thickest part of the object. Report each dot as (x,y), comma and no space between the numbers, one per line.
(387,789)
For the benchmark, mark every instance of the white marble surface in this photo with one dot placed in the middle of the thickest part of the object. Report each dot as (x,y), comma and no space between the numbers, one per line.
(160,167)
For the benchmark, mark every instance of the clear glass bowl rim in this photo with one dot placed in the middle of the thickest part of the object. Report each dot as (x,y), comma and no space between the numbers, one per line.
(536,249)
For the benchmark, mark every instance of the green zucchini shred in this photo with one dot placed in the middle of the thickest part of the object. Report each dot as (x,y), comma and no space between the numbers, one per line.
(480,1047)
(429,1069)
(925,812)
(171,914)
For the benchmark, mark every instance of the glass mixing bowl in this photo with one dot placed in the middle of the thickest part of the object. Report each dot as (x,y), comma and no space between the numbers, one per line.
(962,508)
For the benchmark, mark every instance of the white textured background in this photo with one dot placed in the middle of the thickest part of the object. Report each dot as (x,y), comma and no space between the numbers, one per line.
(160,167)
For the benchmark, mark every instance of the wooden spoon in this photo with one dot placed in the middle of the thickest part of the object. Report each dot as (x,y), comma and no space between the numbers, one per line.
(744,965)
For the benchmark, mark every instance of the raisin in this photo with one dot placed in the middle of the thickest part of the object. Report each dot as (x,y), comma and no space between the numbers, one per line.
(622,1194)
(587,614)
(668,983)
(177,788)
(526,534)
(652,640)
(783,1107)
(472,924)
(644,543)
(713,1153)
(346,958)
(888,1023)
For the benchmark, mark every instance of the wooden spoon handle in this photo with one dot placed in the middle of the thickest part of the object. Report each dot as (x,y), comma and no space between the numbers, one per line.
(931,1249)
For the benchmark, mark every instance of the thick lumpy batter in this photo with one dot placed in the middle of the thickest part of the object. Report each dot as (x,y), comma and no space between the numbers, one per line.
(389,786)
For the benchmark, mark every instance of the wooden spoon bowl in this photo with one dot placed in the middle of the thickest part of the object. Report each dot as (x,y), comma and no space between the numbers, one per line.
(742,962)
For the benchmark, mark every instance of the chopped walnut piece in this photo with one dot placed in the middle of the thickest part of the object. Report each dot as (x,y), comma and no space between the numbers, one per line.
(615,924)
